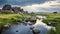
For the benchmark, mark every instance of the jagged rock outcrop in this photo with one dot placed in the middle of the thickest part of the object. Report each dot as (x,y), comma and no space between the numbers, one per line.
(7,7)
(17,9)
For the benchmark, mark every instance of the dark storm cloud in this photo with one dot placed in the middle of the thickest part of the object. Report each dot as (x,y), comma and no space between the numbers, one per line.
(22,2)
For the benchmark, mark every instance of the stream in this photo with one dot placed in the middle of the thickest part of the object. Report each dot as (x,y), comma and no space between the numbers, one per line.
(22,29)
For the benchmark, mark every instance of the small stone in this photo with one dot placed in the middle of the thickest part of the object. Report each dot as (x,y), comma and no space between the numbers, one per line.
(31,27)
(16,30)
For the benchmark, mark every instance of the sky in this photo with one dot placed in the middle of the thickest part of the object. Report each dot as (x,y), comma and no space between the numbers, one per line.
(34,5)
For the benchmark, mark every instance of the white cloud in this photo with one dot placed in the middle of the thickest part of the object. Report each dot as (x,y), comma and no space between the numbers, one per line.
(47,6)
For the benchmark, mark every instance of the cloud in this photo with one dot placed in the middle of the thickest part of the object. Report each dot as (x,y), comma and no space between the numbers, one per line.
(23,2)
(34,5)
(49,6)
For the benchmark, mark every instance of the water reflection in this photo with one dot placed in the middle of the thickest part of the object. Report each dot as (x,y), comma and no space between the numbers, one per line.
(22,29)
(18,29)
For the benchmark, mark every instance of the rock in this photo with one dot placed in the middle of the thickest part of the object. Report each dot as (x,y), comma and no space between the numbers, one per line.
(17,30)
(6,7)
(25,23)
(31,27)
(30,23)
(6,26)
(33,19)
(12,9)
(19,20)
(27,19)
(36,31)
(18,10)
(51,24)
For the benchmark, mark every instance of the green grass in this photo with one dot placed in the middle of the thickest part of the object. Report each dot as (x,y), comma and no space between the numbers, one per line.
(53,18)
(5,18)
(11,18)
